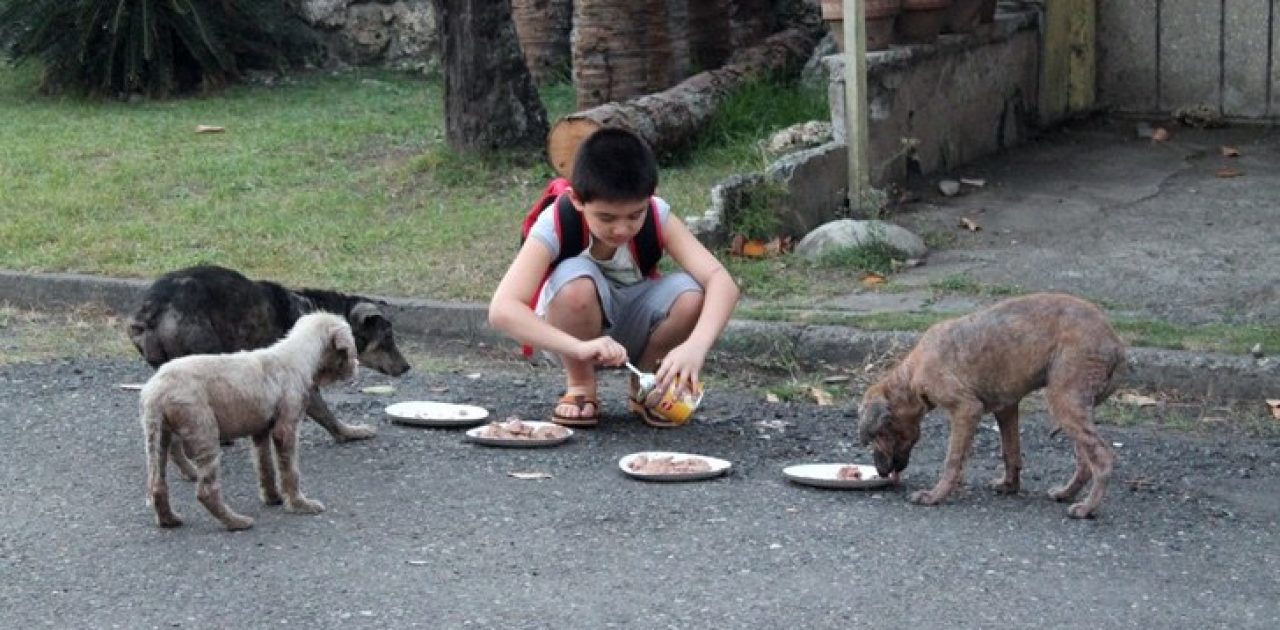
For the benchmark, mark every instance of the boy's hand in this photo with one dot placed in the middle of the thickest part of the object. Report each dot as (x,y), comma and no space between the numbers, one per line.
(682,365)
(601,351)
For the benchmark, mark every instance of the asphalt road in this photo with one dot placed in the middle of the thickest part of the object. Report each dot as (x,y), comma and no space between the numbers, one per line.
(426,530)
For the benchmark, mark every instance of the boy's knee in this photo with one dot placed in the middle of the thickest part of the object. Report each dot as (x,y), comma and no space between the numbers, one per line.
(577,294)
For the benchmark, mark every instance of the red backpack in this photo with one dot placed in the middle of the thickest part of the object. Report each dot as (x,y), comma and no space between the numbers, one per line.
(646,247)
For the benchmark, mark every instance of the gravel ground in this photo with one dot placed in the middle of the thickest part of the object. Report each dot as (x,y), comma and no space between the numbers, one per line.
(426,530)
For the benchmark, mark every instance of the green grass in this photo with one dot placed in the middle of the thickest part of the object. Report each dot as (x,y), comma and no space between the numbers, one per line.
(341,181)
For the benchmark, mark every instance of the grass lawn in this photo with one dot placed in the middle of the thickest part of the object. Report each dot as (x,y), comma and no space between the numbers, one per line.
(343,181)
(338,181)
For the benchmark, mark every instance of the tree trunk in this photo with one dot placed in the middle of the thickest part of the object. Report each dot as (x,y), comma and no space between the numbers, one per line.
(708,34)
(749,22)
(668,119)
(543,27)
(620,49)
(489,98)
(678,29)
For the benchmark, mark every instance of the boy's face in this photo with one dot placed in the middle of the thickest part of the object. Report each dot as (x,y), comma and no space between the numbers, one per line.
(613,222)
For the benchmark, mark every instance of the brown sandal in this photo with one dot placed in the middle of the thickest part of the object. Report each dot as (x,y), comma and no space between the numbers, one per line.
(649,417)
(579,401)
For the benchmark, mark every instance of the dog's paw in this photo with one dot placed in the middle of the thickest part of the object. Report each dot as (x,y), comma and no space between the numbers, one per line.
(236,522)
(303,505)
(171,520)
(924,497)
(1004,486)
(356,432)
(1062,493)
(1080,510)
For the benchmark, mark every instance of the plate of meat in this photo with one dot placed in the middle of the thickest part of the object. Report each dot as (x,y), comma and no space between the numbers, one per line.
(672,466)
(429,413)
(514,432)
(844,476)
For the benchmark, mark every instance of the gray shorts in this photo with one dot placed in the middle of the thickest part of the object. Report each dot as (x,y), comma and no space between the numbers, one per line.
(630,312)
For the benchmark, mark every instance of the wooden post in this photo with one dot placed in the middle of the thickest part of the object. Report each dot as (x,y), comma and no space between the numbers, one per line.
(855,103)
(1067,73)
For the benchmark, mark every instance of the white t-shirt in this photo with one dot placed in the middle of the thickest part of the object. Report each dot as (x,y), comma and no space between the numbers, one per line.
(622,268)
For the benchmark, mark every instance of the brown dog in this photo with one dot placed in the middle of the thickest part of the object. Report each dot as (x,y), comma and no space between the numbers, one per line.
(194,401)
(988,361)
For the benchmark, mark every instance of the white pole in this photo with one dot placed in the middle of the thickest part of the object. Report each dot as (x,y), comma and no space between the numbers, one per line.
(855,102)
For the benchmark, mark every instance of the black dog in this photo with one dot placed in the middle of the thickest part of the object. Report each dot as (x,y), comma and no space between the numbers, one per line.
(213,310)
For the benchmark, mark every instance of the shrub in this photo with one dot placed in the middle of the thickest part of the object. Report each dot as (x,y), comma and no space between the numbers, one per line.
(152,47)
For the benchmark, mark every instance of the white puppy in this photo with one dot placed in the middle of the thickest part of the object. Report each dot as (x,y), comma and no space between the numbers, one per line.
(194,402)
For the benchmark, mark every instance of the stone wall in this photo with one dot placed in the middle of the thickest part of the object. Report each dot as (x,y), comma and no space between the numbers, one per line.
(399,33)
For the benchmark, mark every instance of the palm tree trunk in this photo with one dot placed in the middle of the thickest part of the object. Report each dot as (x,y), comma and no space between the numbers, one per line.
(489,98)
(620,49)
(543,27)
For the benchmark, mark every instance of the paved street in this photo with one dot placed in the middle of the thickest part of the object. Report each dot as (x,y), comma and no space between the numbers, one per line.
(425,530)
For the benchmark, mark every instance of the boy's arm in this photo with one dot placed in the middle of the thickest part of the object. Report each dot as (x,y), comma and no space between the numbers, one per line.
(720,292)
(509,310)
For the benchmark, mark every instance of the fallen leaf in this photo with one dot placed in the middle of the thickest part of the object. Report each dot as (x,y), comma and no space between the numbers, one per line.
(379,389)
(1274,405)
(969,224)
(209,129)
(1230,152)
(529,475)
(872,279)
(1227,172)
(821,396)
(735,246)
(1160,134)
(1137,400)
(754,249)
(771,397)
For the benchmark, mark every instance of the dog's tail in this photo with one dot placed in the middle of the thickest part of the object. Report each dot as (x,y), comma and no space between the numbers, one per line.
(156,438)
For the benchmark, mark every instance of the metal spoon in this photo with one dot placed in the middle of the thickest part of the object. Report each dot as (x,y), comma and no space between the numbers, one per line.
(647,381)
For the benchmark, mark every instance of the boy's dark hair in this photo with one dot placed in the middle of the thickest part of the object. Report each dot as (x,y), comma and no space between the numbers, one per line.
(614,164)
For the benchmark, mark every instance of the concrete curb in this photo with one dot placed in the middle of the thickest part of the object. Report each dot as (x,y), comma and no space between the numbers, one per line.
(1211,375)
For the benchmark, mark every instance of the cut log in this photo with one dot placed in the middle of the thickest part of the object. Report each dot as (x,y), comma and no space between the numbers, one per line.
(669,118)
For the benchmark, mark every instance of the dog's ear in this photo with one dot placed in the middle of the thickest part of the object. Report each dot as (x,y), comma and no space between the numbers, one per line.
(873,417)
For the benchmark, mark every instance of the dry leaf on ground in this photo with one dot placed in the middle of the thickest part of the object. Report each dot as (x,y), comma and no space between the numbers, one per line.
(871,279)
(754,249)
(529,475)
(1137,400)
(1274,405)
(821,396)
(1160,134)
(1230,151)
(969,224)
(1227,172)
(209,129)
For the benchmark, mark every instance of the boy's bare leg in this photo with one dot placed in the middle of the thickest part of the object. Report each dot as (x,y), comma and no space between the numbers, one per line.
(576,310)
(673,330)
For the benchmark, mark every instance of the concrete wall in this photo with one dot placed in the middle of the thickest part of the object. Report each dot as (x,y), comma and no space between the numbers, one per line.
(1158,56)
(960,99)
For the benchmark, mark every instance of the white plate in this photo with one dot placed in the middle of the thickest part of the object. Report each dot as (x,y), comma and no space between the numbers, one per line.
(477,435)
(426,413)
(718,466)
(824,476)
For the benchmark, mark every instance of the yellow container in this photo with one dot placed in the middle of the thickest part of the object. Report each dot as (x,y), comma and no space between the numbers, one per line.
(677,403)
